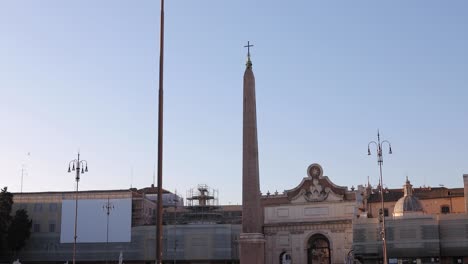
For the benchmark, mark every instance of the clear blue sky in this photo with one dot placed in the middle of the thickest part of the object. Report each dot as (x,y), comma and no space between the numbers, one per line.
(84,75)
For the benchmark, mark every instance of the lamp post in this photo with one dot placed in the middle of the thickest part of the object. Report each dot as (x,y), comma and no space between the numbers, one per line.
(159,201)
(107,207)
(175,228)
(379,145)
(81,167)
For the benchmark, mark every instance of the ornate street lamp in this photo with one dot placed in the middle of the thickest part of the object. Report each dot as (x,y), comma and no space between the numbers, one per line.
(80,166)
(175,227)
(107,207)
(378,145)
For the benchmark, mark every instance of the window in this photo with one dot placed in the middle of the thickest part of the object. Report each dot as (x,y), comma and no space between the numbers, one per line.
(385,211)
(53,207)
(52,227)
(38,207)
(445,209)
(37,228)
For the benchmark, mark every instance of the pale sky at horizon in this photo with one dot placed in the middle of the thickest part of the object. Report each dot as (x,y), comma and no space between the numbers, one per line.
(83,75)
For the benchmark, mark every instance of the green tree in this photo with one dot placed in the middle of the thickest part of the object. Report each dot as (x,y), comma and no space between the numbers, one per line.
(14,231)
(6,203)
(19,231)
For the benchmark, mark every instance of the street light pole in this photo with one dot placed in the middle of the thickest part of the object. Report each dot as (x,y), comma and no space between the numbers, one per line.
(175,228)
(108,207)
(378,145)
(83,165)
(159,201)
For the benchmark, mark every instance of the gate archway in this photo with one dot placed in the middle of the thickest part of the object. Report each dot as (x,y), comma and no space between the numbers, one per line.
(318,250)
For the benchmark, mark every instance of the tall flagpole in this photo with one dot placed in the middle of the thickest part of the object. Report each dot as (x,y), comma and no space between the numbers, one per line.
(160,144)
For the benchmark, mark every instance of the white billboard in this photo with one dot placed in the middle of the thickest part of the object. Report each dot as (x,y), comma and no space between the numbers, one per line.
(92,221)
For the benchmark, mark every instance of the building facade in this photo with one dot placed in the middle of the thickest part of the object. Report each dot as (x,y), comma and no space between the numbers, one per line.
(311,223)
(191,234)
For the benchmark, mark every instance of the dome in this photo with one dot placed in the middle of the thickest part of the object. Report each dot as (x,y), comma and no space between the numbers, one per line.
(408,203)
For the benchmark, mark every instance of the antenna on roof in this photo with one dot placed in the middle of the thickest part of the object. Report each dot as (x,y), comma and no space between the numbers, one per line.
(131,177)
(154,174)
(24,169)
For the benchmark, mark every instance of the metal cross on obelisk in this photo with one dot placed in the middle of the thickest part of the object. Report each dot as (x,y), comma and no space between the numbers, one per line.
(249,63)
(248,48)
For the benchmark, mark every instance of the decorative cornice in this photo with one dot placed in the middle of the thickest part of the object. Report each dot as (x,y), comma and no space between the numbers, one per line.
(337,226)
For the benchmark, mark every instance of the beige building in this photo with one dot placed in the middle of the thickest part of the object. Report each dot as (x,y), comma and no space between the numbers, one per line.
(434,200)
(422,225)
(311,223)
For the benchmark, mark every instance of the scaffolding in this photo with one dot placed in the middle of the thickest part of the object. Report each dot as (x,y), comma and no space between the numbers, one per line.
(202,203)
(202,195)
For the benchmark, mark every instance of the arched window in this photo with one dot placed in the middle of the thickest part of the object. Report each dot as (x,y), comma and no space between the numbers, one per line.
(285,258)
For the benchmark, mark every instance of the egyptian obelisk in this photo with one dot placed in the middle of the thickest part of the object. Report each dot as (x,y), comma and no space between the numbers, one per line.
(252,241)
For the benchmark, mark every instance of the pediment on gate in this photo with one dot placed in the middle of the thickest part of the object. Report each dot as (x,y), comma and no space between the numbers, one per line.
(316,188)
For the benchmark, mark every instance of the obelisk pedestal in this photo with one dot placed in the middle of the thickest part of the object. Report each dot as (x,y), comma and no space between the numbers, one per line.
(252,248)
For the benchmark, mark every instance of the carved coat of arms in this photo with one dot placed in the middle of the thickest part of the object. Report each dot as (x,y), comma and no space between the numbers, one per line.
(316,192)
